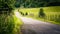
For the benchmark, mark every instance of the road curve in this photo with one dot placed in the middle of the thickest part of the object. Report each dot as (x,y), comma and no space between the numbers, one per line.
(32,26)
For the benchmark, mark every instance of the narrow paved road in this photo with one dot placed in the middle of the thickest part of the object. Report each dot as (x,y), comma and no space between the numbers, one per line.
(32,26)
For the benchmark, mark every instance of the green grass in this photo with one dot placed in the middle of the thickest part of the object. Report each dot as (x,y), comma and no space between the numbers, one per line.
(52,14)
(18,24)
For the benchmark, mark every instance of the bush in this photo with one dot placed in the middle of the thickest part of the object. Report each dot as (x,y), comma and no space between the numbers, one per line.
(7,5)
(6,24)
(9,24)
(41,13)
(26,13)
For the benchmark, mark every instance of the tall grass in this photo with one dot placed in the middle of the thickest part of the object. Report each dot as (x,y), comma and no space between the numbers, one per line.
(6,24)
(53,16)
(9,24)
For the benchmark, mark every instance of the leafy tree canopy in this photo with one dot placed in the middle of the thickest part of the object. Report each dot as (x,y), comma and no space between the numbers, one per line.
(7,4)
(37,3)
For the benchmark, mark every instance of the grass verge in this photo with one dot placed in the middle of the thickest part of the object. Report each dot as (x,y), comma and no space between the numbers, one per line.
(52,14)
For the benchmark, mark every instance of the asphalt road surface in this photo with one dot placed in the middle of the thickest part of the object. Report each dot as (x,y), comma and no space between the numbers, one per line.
(32,26)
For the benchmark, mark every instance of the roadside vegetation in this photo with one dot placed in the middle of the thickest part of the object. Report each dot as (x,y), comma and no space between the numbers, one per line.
(9,23)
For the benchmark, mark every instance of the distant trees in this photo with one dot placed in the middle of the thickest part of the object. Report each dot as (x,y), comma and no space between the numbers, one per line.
(54,4)
(6,5)
(35,3)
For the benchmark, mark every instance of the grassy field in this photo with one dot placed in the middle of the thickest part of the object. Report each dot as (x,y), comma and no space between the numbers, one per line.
(52,14)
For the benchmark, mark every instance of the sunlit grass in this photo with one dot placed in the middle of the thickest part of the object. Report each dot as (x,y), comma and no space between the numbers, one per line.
(52,13)
(18,23)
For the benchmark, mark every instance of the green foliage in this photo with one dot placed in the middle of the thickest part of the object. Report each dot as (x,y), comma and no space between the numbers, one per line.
(22,13)
(41,13)
(18,24)
(26,13)
(9,24)
(57,19)
(6,5)
(6,24)
(35,3)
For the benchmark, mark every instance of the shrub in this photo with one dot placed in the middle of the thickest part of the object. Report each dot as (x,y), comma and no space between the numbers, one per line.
(26,13)
(6,24)
(7,5)
(41,13)
(9,24)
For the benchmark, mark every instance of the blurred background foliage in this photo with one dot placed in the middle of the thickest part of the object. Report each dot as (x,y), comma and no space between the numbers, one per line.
(36,3)
(29,3)
(7,5)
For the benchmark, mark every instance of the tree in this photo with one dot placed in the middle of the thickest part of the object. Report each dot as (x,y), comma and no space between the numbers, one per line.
(7,5)
(35,3)
(7,23)
(41,13)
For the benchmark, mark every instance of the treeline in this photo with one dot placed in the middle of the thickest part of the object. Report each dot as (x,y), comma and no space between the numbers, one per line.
(7,5)
(37,3)
(28,3)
